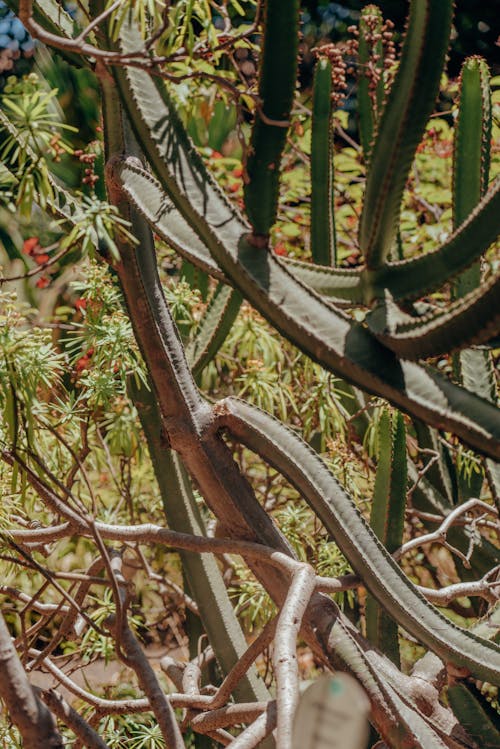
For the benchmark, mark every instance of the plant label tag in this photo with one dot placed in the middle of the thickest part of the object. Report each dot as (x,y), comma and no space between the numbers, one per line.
(332,714)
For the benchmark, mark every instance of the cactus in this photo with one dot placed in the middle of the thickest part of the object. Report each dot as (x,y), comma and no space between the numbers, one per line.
(381,352)
(323,247)
(371,91)
(387,520)
(278,72)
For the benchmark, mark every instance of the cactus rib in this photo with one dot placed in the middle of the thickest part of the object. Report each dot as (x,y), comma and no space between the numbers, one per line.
(470,320)
(408,107)
(305,470)
(323,248)
(387,520)
(277,79)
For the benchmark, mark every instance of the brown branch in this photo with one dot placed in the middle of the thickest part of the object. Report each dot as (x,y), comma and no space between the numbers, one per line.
(73,720)
(41,608)
(34,721)
(257,732)
(130,651)
(228,716)
(103,705)
(286,669)
(439,535)
(241,667)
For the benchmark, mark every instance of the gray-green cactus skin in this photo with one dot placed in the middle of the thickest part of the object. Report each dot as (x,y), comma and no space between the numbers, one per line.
(323,246)
(387,519)
(382,355)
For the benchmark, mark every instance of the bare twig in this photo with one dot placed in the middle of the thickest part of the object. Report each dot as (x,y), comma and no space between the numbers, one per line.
(230,715)
(439,535)
(131,652)
(487,588)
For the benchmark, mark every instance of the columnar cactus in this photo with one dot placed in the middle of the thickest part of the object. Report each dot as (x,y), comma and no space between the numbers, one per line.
(159,182)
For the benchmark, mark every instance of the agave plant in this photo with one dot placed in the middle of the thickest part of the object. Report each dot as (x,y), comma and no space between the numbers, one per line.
(159,183)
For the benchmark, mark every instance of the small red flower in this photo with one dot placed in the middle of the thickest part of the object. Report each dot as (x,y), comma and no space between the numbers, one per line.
(234,187)
(81,364)
(280,249)
(237,172)
(30,245)
(217,155)
(42,282)
(81,304)
(41,259)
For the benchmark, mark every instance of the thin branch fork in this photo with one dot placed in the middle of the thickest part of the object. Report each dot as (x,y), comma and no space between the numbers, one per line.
(439,535)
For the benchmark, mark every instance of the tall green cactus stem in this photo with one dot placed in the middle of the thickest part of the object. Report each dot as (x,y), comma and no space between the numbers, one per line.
(328,336)
(387,520)
(278,74)
(471,152)
(369,103)
(402,125)
(323,247)
(214,327)
(471,161)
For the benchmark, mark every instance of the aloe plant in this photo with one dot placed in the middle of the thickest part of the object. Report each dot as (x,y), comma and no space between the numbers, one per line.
(159,182)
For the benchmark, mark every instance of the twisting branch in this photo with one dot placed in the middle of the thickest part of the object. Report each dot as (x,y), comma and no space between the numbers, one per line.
(236,674)
(285,656)
(68,715)
(439,535)
(257,732)
(34,721)
(133,655)
(488,588)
